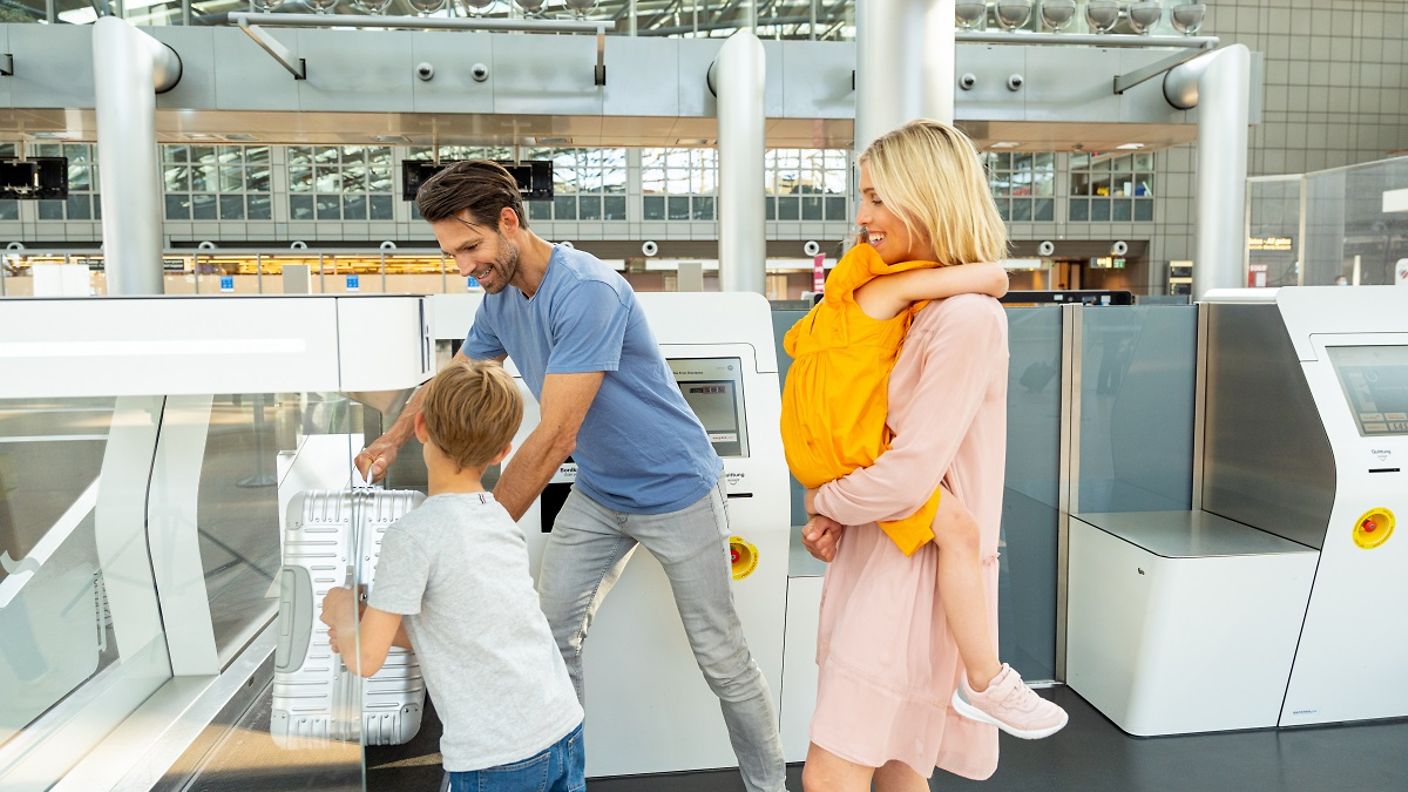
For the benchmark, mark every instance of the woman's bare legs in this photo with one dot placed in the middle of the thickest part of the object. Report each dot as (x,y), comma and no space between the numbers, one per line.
(962,593)
(899,777)
(827,772)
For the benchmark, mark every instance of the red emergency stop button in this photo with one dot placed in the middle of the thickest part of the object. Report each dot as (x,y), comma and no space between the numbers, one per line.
(1373,528)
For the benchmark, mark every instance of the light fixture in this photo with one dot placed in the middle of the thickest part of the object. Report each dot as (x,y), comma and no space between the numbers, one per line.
(267,5)
(240,137)
(1102,15)
(1130,146)
(477,7)
(970,14)
(1056,15)
(1013,14)
(426,7)
(1188,17)
(401,139)
(581,7)
(1005,144)
(532,7)
(1144,15)
(373,7)
(321,6)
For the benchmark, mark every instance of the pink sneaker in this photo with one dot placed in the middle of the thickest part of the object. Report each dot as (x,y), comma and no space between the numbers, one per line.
(1011,706)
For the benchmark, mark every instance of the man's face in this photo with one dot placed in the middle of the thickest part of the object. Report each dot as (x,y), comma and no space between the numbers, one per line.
(480,252)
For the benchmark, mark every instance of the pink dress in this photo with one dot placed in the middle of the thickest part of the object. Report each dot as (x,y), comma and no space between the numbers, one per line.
(887,664)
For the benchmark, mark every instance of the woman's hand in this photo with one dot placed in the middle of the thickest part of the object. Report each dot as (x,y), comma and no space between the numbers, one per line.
(822,537)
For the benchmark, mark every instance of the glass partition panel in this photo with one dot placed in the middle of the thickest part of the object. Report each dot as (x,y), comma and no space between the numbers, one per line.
(263,454)
(114,512)
(1137,374)
(1273,231)
(83,644)
(55,637)
(1030,501)
(782,321)
(1349,238)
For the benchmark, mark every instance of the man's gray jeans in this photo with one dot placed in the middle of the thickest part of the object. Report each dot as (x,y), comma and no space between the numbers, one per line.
(586,555)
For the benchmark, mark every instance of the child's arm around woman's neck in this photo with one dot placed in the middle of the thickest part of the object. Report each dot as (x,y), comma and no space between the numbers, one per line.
(886,296)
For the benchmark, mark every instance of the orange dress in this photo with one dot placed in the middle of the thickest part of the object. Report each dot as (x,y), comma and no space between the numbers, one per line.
(835,403)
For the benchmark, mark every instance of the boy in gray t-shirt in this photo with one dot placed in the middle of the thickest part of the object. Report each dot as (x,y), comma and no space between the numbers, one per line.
(452,582)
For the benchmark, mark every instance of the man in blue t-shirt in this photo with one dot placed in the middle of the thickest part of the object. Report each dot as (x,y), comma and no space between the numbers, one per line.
(646,473)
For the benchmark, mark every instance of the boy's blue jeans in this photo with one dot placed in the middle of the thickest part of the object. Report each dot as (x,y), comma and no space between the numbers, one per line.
(559,768)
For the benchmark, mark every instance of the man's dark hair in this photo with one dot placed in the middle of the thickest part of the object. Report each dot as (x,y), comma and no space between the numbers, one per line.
(481,187)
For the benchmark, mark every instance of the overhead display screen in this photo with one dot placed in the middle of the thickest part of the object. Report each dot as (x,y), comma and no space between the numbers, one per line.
(713,388)
(1375,381)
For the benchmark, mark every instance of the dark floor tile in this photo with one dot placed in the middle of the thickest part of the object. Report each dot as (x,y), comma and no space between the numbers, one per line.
(1090,755)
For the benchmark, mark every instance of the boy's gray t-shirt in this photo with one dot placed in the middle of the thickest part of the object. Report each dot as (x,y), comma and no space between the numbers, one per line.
(457,568)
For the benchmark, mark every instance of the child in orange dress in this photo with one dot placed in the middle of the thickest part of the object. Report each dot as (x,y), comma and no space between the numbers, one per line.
(835,400)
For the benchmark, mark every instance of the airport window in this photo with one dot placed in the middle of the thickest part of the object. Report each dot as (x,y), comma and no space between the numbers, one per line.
(679,183)
(82,202)
(216,182)
(806,184)
(587,184)
(9,208)
(340,183)
(1106,187)
(1023,185)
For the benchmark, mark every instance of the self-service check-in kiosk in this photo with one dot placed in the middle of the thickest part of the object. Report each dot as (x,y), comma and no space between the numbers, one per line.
(1280,601)
(648,707)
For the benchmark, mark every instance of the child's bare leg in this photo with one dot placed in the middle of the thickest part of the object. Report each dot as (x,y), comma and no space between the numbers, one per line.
(962,592)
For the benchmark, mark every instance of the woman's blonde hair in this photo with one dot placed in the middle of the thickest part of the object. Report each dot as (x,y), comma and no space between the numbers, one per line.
(929,174)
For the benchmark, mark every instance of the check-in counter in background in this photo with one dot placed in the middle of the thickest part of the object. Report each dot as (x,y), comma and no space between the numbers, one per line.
(1279,602)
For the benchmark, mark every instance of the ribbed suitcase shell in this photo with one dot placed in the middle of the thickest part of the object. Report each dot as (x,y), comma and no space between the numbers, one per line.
(319,539)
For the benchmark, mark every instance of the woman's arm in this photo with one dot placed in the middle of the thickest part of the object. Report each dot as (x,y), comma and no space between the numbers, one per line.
(959,359)
(884,297)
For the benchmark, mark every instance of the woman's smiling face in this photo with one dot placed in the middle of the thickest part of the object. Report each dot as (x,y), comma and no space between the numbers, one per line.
(884,229)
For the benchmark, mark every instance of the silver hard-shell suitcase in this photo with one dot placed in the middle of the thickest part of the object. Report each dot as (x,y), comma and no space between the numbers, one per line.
(327,533)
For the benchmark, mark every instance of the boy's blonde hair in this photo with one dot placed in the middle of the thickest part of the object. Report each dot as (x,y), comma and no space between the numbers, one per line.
(929,174)
(472,409)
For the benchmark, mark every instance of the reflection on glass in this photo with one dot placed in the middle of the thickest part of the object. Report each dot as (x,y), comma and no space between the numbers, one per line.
(1030,503)
(1136,443)
(56,628)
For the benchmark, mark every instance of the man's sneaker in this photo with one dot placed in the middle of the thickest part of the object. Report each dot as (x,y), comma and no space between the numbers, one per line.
(1011,706)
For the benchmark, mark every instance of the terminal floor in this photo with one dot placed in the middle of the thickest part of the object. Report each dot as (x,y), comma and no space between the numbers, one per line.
(1090,755)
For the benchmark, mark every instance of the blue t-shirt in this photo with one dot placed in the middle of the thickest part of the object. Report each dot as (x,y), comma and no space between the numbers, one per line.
(640,449)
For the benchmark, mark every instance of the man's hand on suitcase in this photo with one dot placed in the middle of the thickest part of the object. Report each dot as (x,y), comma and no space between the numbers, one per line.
(373,460)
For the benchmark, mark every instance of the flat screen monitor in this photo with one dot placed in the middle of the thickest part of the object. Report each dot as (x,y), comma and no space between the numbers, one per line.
(534,177)
(35,178)
(1375,381)
(713,388)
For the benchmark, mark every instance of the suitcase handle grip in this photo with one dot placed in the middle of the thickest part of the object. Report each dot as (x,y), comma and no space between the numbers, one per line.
(295,619)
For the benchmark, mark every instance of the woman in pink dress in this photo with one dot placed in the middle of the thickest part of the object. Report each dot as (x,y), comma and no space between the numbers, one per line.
(890,673)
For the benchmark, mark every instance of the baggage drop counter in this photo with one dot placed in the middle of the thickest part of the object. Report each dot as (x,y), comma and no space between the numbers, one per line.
(1278,601)
(148,447)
